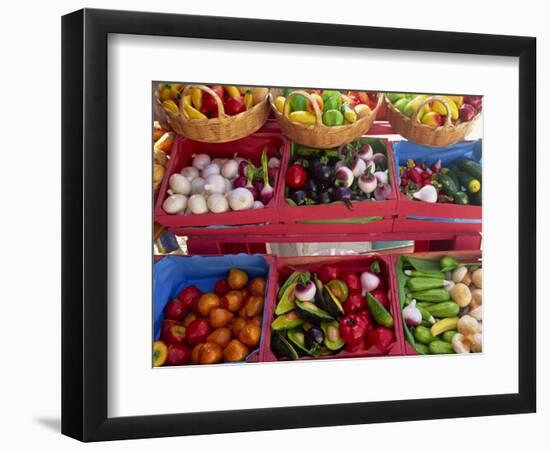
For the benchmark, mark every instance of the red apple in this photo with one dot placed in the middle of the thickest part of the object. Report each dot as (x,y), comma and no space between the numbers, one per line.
(234,106)
(178,355)
(474,100)
(328,272)
(175,310)
(197,331)
(190,297)
(174,335)
(352,281)
(209,106)
(467,112)
(166,325)
(221,288)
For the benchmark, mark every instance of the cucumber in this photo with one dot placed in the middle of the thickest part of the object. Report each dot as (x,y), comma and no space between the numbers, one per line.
(448,335)
(469,182)
(415,284)
(451,175)
(470,167)
(421,349)
(443,309)
(439,347)
(461,198)
(423,335)
(432,295)
(448,186)
(380,314)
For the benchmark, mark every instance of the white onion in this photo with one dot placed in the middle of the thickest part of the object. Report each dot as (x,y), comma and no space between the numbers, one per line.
(411,314)
(230,169)
(228,185)
(197,204)
(201,160)
(217,203)
(215,184)
(369,282)
(179,184)
(219,162)
(175,204)
(210,169)
(240,199)
(427,194)
(197,185)
(190,172)
(257,205)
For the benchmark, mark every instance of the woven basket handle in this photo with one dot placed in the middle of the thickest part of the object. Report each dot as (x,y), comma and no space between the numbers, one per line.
(433,98)
(309,97)
(189,87)
(378,102)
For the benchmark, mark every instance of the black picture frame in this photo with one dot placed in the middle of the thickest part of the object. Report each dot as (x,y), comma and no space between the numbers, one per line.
(84,224)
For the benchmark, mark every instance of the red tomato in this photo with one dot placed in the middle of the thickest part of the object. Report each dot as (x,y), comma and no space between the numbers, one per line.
(355,302)
(328,272)
(352,281)
(296,176)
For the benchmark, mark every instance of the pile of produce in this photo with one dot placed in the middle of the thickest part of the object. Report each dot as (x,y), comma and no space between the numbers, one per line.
(433,114)
(355,172)
(163,138)
(442,301)
(337,108)
(220,185)
(202,105)
(208,328)
(460,183)
(320,314)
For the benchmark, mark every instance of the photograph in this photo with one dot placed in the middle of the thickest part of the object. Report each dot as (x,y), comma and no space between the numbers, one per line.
(279,168)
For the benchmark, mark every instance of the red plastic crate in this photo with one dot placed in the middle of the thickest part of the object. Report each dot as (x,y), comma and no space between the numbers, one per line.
(249,147)
(284,266)
(465,256)
(381,211)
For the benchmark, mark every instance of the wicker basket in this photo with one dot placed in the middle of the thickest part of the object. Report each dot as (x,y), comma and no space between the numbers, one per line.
(413,130)
(224,128)
(320,135)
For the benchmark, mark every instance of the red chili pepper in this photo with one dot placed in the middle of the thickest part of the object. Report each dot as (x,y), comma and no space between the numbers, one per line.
(296,176)
(353,328)
(416,177)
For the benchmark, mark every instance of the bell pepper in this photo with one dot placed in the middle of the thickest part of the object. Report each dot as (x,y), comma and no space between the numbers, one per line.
(328,272)
(352,281)
(354,303)
(353,328)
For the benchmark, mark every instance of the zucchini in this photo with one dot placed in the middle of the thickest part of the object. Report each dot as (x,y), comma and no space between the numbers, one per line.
(448,186)
(461,198)
(415,284)
(469,182)
(470,167)
(380,314)
(432,295)
(443,309)
(451,175)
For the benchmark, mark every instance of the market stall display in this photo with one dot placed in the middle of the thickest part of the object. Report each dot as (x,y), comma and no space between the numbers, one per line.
(434,120)
(214,113)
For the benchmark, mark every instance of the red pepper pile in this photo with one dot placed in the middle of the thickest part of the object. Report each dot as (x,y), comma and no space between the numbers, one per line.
(419,174)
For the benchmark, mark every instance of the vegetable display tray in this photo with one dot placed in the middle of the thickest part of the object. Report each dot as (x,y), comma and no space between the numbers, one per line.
(284,266)
(417,216)
(172,274)
(370,215)
(249,148)
(399,278)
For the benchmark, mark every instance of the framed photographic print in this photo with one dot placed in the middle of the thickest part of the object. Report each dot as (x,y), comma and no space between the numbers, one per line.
(286,210)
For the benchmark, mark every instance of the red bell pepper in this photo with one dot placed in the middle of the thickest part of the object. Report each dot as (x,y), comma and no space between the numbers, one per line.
(355,302)
(328,272)
(352,280)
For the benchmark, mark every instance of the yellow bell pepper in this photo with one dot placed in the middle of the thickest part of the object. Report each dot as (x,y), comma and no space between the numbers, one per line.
(304,117)
(449,323)
(190,110)
(196,98)
(232,91)
(248,99)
